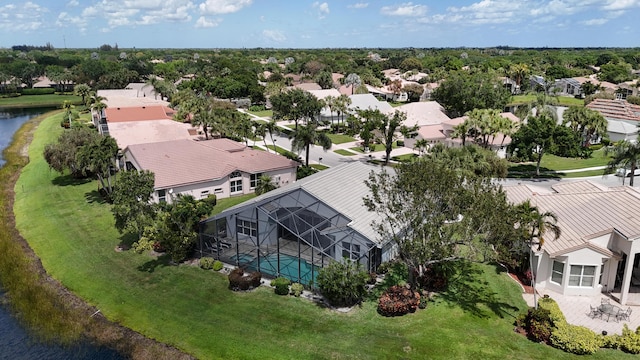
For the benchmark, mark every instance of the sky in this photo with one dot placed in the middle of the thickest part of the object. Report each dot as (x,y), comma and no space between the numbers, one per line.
(319,24)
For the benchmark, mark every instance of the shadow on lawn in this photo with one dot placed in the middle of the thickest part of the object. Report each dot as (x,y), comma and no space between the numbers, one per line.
(528,171)
(151,265)
(95,197)
(68,180)
(469,290)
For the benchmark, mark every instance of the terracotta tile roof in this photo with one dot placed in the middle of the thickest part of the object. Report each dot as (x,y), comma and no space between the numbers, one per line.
(138,113)
(138,132)
(616,109)
(431,132)
(182,162)
(584,212)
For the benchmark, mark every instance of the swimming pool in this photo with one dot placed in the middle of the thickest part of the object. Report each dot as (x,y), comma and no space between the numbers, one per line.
(289,267)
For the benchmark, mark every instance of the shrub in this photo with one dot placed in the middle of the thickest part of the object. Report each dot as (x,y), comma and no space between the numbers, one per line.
(239,281)
(142,245)
(633,99)
(400,143)
(296,289)
(281,285)
(537,324)
(256,108)
(555,314)
(630,341)
(206,263)
(343,283)
(211,199)
(610,342)
(596,147)
(397,301)
(217,265)
(38,91)
(575,339)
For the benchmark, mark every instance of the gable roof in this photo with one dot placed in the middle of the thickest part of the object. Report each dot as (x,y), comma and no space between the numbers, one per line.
(368,101)
(584,211)
(423,113)
(616,109)
(329,186)
(138,132)
(182,162)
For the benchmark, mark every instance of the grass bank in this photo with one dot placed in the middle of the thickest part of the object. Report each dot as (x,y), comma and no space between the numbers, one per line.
(71,229)
(30,101)
(529,98)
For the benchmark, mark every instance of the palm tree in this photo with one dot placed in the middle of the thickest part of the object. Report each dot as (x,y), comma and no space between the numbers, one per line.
(536,224)
(272,128)
(82,90)
(625,154)
(595,124)
(461,131)
(341,105)
(353,80)
(305,136)
(265,184)
(421,145)
(330,102)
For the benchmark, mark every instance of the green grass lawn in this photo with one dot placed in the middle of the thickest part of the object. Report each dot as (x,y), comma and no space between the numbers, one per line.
(344,152)
(340,138)
(263,113)
(555,163)
(374,147)
(562,100)
(72,230)
(404,157)
(47,100)
(319,167)
(278,149)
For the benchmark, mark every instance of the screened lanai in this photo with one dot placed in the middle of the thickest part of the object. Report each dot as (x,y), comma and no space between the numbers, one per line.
(296,230)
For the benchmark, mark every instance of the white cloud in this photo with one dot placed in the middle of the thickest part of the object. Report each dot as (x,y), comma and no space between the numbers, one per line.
(65,19)
(595,22)
(73,3)
(621,4)
(274,35)
(203,22)
(321,8)
(358,6)
(405,9)
(25,17)
(212,7)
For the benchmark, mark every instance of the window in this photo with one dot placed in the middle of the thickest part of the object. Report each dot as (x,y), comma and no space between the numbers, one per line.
(204,194)
(350,251)
(235,182)
(162,195)
(557,272)
(217,191)
(247,227)
(581,275)
(601,272)
(254,180)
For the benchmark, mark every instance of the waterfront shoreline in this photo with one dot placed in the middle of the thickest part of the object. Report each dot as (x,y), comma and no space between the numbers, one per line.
(96,328)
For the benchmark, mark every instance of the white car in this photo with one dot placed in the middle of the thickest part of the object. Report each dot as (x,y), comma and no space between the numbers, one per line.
(627,172)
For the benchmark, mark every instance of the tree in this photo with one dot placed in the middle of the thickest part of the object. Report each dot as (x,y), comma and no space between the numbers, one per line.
(388,127)
(341,105)
(353,80)
(69,114)
(82,90)
(305,136)
(462,92)
(588,88)
(534,139)
(414,92)
(470,160)
(435,214)
(369,121)
(132,207)
(484,124)
(536,225)
(625,154)
(325,80)
(518,72)
(585,122)
(176,226)
(461,131)
(61,155)
(99,157)
(295,105)
(265,184)
(422,145)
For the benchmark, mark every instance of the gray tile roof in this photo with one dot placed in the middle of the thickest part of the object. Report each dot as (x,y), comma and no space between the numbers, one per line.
(584,211)
(341,187)
(182,162)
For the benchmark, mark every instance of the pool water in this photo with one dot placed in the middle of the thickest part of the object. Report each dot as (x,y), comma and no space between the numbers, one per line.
(289,266)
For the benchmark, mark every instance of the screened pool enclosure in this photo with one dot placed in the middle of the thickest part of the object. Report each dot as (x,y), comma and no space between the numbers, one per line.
(295,230)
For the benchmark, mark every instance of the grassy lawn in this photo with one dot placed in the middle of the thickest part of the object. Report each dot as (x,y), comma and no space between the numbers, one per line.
(374,147)
(584,174)
(405,157)
(263,113)
(562,100)
(344,152)
(278,149)
(598,158)
(71,229)
(319,167)
(47,100)
(340,138)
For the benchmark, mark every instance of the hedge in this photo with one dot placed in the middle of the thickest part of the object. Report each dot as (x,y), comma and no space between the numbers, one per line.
(38,91)
(575,339)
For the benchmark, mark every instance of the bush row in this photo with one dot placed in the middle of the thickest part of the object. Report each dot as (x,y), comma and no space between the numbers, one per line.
(208,263)
(38,91)
(398,301)
(239,281)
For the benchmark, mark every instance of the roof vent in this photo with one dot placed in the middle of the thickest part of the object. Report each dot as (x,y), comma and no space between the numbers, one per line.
(118,108)
(144,107)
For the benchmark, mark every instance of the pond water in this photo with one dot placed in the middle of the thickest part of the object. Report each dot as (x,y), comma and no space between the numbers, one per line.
(15,341)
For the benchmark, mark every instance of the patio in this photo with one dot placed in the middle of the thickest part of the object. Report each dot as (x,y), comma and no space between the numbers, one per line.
(576,310)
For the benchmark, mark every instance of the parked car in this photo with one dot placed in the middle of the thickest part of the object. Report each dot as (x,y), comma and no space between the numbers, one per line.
(627,172)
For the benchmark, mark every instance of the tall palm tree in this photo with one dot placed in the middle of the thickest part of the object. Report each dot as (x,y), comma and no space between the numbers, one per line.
(536,224)
(421,145)
(354,80)
(625,154)
(595,124)
(330,102)
(341,105)
(82,90)
(307,135)
(272,128)
(461,131)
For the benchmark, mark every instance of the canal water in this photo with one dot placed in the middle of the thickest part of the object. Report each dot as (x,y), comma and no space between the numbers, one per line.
(15,342)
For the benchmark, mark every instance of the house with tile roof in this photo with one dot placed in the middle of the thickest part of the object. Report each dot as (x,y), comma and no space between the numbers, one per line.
(220,167)
(299,228)
(598,250)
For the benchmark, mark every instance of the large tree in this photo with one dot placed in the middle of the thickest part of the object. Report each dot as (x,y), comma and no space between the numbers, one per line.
(435,214)
(62,155)
(296,105)
(132,207)
(534,139)
(463,91)
(99,158)
(625,154)
(389,128)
